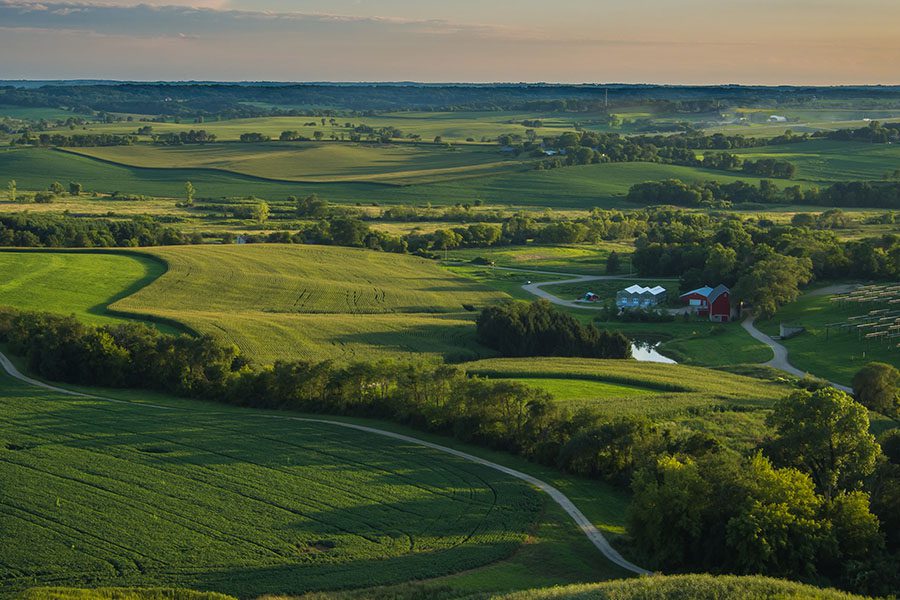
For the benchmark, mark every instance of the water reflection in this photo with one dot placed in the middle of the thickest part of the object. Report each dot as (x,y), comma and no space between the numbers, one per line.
(647,352)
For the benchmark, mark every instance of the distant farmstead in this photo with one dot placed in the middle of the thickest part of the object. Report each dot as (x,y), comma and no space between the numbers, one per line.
(714,303)
(638,296)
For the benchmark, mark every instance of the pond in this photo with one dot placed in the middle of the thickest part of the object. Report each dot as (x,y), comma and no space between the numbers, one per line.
(648,352)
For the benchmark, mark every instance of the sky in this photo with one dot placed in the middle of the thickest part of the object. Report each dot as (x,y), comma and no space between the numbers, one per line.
(570,41)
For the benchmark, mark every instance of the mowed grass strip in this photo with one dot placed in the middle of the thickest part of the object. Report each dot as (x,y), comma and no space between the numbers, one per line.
(79,283)
(129,495)
(316,162)
(656,391)
(316,302)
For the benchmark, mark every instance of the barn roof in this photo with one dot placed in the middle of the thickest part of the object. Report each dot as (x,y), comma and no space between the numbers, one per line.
(721,289)
(705,291)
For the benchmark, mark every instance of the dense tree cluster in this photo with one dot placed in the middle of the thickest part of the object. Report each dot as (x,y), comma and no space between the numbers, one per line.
(77,140)
(811,509)
(537,329)
(57,231)
(715,194)
(875,133)
(181,138)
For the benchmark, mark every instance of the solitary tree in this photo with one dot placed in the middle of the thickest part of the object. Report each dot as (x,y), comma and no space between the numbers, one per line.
(75,189)
(438,139)
(12,190)
(318,135)
(189,193)
(877,387)
(57,188)
(261,212)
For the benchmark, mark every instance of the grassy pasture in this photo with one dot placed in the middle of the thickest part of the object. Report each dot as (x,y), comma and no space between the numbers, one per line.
(315,302)
(583,259)
(696,587)
(838,356)
(731,405)
(825,161)
(130,495)
(79,283)
(312,162)
(583,187)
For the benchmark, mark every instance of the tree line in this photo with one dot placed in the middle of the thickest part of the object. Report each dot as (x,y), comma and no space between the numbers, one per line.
(713,194)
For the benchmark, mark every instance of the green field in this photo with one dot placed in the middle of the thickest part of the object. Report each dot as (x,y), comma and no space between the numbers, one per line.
(582,259)
(837,355)
(695,587)
(79,283)
(130,494)
(601,185)
(825,161)
(727,404)
(324,162)
(315,302)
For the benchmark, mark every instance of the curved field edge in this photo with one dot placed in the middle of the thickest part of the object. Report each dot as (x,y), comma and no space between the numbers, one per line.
(388,177)
(134,288)
(693,587)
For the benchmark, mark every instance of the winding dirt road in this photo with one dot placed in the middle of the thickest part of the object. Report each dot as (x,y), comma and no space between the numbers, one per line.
(592,533)
(780,359)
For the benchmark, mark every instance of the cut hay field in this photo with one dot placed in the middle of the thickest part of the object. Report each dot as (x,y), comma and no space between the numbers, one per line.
(317,162)
(583,187)
(79,283)
(315,302)
(703,399)
(131,494)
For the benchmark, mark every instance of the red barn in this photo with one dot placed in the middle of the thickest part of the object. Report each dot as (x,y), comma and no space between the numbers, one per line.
(714,303)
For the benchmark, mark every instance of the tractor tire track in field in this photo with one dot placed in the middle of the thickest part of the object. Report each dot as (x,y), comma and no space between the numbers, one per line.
(587,527)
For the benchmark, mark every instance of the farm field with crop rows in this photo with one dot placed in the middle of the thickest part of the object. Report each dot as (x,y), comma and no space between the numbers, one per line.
(128,494)
(314,302)
(582,187)
(314,162)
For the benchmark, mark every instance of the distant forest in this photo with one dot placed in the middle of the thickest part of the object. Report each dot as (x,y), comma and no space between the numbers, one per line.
(259,99)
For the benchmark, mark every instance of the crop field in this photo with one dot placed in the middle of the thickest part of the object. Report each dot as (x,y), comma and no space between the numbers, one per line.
(315,302)
(825,161)
(132,494)
(582,187)
(313,162)
(701,398)
(835,355)
(79,283)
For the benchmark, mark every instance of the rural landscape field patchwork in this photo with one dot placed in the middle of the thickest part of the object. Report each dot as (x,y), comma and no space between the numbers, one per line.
(335,340)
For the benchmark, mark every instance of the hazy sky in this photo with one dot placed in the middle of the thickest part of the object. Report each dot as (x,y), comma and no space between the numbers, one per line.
(662,41)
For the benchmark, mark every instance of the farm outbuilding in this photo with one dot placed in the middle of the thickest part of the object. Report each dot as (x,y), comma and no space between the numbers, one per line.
(638,296)
(714,303)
